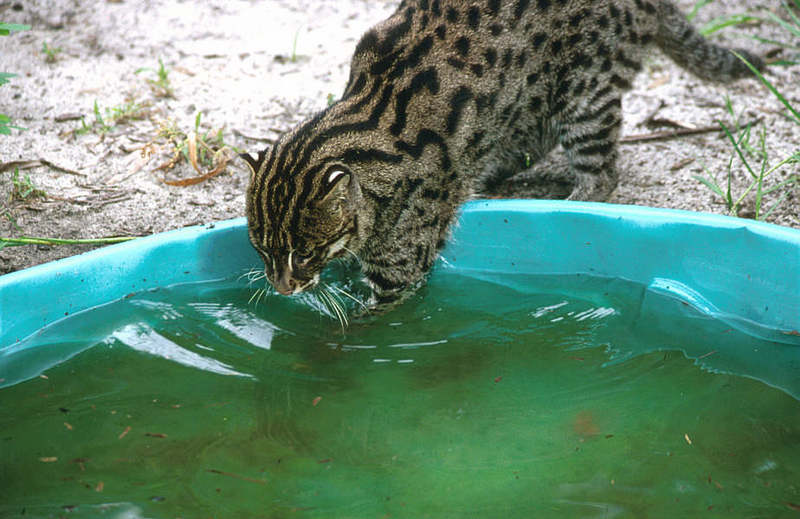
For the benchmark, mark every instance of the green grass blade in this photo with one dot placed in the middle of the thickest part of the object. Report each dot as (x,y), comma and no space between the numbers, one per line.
(789,181)
(766,41)
(775,205)
(770,86)
(786,25)
(784,63)
(746,192)
(793,16)
(697,6)
(791,159)
(98,117)
(717,24)
(6,126)
(5,76)
(710,184)
(738,148)
(8,28)
(28,240)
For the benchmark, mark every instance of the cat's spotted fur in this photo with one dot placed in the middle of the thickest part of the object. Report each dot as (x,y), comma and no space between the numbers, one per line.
(444,98)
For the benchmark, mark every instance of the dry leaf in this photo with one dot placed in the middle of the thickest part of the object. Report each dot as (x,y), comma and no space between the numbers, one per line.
(196,180)
(659,81)
(191,142)
(681,164)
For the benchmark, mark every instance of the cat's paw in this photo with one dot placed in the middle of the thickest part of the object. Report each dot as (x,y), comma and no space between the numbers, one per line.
(551,180)
(593,187)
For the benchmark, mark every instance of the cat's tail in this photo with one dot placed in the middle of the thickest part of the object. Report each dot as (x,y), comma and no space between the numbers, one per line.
(689,49)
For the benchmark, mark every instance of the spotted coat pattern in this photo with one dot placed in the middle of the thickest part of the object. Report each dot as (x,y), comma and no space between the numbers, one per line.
(443,99)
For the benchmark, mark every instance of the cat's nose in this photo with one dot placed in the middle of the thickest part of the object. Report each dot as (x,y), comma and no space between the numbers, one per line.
(285,285)
(284,291)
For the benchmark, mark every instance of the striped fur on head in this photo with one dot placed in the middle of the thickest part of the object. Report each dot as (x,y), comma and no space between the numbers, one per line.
(299,219)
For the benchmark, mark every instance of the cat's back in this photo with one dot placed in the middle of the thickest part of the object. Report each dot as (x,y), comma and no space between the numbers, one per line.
(478,36)
(506,59)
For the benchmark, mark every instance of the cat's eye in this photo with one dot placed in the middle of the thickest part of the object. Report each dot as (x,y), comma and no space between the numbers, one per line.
(301,259)
(269,262)
(335,173)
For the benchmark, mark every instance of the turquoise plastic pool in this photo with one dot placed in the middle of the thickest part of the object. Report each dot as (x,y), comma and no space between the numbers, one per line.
(741,271)
(564,360)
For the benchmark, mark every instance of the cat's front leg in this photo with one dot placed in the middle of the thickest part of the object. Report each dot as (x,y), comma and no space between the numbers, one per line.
(390,288)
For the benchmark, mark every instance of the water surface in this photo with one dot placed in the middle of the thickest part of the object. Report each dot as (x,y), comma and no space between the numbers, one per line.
(520,397)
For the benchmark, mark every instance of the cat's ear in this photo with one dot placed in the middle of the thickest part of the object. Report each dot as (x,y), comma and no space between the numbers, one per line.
(254,163)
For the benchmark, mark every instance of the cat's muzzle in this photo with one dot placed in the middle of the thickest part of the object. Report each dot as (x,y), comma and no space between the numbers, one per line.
(287,285)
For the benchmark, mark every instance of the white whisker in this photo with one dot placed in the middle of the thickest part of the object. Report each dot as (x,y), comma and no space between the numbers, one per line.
(322,297)
(334,306)
(328,288)
(350,251)
(254,275)
(347,295)
(257,295)
(247,274)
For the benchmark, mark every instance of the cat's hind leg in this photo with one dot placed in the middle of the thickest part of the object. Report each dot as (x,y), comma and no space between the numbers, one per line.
(590,140)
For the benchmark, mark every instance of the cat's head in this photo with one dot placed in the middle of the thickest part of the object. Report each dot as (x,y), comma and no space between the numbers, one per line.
(299,216)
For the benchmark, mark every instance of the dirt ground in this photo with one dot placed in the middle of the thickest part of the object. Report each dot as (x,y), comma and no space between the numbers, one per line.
(255,68)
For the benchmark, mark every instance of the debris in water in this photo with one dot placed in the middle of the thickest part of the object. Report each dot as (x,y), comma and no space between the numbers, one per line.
(237,476)
(585,425)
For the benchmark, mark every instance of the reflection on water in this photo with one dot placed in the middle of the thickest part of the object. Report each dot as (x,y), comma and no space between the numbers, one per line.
(242,324)
(142,338)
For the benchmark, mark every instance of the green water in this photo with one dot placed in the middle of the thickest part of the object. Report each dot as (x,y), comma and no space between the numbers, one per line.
(530,397)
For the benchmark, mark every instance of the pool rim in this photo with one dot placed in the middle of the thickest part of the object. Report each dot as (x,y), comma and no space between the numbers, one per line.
(205,251)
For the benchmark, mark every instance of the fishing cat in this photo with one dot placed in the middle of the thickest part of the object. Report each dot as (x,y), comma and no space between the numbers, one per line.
(443,98)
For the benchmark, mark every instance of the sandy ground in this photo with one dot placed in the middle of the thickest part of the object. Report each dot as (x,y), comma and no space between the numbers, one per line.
(231,61)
